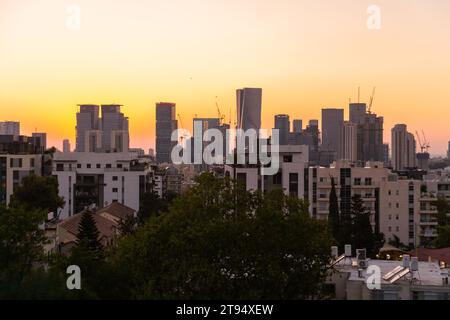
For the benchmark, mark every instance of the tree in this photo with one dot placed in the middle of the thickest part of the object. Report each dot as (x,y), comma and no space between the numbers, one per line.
(443,239)
(363,236)
(151,206)
(127,225)
(88,235)
(443,207)
(38,192)
(21,241)
(333,216)
(218,241)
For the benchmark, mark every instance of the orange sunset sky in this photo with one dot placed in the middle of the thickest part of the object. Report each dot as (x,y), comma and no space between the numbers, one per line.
(305,54)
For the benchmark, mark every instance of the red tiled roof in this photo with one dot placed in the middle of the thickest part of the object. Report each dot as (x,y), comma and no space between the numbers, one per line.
(436,254)
(118,210)
(105,227)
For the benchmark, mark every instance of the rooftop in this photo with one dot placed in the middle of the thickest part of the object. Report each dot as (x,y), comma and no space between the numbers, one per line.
(429,273)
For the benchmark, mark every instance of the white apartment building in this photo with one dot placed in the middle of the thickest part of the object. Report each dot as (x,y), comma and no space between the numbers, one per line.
(13,168)
(100,179)
(408,211)
(399,207)
(350,180)
(293,161)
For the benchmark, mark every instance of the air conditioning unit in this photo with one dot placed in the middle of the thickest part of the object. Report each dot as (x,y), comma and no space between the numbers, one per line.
(348,250)
(363,264)
(406,260)
(334,252)
(361,258)
(414,264)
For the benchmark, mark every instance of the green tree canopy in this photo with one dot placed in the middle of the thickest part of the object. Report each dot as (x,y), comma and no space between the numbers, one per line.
(38,192)
(88,235)
(333,216)
(21,242)
(443,239)
(220,241)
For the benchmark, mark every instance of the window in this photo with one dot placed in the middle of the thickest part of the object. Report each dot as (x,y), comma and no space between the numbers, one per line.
(389,192)
(108,166)
(397,205)
(390,229)
(397,228)
(15,175)
(397,192)
(15,163)
(60,167)
(287,158)
(119,166)
(357,181)
(390,217)
(411,188)
(98,166)
(277,178)
(396,217)
(88,166)
(368,181)
(79,165)
(115,190)
(293,184)
(115,178)
(32,163)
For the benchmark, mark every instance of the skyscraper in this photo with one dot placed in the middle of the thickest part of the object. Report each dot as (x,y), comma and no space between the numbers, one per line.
(87,120)
(248,102)
(66,145)
(370,133)
(403,148)
(115,135)
(298,125)
(10,128)
(283,124)
(42,136)
(411,158)
(348,148)
(106,134)
(332,120)
(386,155)
(166,123)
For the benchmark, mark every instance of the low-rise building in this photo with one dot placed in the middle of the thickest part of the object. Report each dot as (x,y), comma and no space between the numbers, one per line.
(100,179)
(410,279)
(293,159)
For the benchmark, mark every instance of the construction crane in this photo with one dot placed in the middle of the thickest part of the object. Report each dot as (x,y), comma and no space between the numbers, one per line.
(221,116)
(371,101)
(424,144)
(184,135)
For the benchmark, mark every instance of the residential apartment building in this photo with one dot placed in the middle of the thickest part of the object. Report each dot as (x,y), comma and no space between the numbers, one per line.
(20,156)
(289,178)
(350,180)
(100,179)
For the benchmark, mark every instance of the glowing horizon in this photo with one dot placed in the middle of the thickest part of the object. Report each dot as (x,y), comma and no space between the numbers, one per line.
(306,55)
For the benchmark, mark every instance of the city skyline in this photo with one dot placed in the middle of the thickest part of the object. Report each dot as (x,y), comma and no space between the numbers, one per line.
(190,65)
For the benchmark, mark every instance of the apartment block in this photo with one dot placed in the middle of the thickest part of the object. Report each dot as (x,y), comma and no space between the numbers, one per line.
(99,179)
